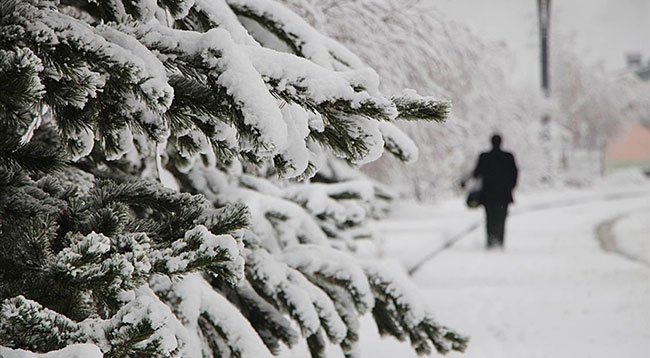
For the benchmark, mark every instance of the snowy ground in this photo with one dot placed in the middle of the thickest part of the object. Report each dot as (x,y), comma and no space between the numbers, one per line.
(628,228)
(554,291)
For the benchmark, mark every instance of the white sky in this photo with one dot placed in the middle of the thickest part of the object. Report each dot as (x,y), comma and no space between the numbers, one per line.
(604,30)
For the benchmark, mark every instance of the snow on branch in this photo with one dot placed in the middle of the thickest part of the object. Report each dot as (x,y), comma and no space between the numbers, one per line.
(315,87)
(227,67)
(81,350)
(335,267)
(28,324)
(398,143)
(412,106)
(210,14)
(300,36)
(224,328)
(399,312)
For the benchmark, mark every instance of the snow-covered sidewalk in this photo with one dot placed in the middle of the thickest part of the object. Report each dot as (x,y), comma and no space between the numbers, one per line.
(554,292)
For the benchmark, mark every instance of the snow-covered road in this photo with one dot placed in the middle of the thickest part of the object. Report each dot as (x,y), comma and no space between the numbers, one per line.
(554,291)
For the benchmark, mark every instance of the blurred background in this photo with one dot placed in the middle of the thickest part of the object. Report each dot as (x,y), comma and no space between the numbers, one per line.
(574,278)
(485,57)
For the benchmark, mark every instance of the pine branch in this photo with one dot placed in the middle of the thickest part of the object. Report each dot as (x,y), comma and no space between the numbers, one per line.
(268,321)
(32,157)
(412,107)
(303,40)
(20,85)
(148,195)
(401,317)
(336,136)
(26,324)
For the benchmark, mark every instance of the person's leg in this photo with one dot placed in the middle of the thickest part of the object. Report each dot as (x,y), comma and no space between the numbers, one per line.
(490,221)
(500,223)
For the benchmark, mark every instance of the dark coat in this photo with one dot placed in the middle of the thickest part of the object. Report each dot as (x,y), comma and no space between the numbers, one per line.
(498,172)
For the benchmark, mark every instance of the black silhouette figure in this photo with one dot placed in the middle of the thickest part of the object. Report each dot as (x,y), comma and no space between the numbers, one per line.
(498,172)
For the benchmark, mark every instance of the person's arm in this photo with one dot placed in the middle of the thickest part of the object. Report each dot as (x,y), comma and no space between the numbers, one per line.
(478,171)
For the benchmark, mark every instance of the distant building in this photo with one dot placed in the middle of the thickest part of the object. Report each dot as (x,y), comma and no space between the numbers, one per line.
(632,146)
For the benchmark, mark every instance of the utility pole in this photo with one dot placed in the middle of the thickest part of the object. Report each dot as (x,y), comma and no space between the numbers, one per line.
(544,16)
(544,19)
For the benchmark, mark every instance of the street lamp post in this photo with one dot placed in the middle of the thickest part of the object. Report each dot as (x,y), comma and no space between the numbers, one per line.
(544,19)
(544,16)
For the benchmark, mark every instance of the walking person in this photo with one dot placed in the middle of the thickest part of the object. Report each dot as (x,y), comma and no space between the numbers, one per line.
(497,171)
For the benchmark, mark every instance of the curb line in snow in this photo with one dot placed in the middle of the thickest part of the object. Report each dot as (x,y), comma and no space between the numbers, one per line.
(532,208)
(605,235)
(449,243)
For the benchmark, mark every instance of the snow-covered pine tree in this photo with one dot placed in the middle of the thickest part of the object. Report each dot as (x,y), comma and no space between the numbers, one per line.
(159,193)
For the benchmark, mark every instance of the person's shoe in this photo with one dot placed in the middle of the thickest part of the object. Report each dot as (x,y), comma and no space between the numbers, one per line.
(495,247)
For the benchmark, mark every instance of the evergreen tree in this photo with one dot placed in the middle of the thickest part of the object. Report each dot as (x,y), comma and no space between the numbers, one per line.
(167,185)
